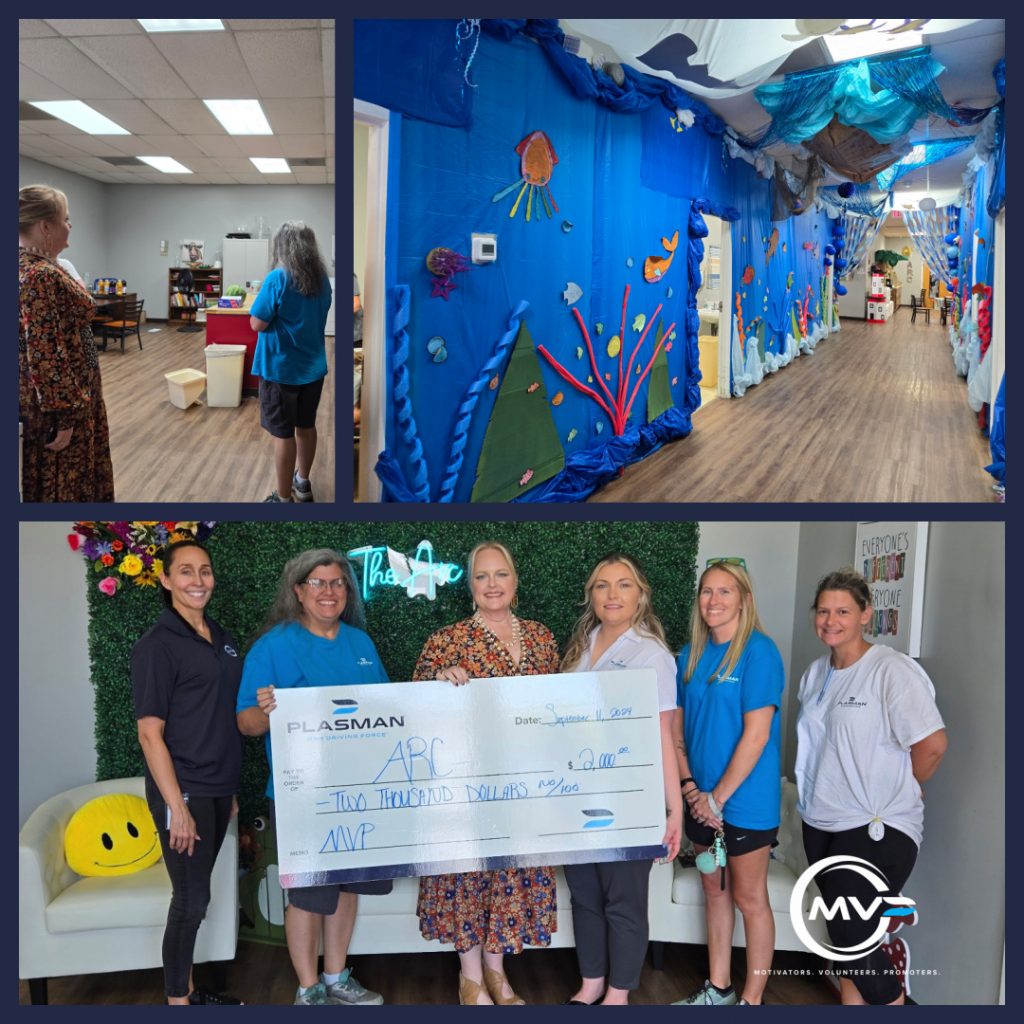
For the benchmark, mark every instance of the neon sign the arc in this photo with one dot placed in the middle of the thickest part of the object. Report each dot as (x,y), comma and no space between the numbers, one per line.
(420,575)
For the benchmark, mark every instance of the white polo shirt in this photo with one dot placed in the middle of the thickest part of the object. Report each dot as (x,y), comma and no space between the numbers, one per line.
(635,650)
(853,744)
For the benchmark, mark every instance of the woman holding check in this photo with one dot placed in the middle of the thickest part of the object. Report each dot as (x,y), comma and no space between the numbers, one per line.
(313,637)
(487,914)
(731,679)
(618,629)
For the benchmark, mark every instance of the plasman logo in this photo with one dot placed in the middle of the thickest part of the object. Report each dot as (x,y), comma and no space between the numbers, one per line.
(846,907)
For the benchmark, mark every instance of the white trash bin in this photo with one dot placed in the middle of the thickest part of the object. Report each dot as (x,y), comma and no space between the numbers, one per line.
(224,368)
(185,386)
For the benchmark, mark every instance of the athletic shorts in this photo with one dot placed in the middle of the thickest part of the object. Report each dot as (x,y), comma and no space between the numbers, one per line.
(323,899)
(737,840)
(283,407)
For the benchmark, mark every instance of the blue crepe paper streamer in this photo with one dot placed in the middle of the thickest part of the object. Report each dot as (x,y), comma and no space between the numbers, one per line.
(470,399)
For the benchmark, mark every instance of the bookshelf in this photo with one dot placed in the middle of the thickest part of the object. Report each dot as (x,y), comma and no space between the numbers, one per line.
(207,286)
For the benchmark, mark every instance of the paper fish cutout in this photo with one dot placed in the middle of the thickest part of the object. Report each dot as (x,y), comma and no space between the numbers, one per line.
(557,400)
(599,328)
(808,246)
(655,267)
(668,347)
(614,346)
(638,369)
(668,294)
(436,347)
(590,380)
(773,244)
(981,241)
(783,246)
(567,226)
(533,387)
(675,381)
(748,274)
(572,435)
(638,322)
(629,261)
(789,280)
(572,293)
(607,376)
(526,478)
(672,336)
(493,384)
(599,426)
(579,351)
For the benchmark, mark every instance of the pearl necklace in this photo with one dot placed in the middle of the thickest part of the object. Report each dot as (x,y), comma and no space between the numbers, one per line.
(517,631)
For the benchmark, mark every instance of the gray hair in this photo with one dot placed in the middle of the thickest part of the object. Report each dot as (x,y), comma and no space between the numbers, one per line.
(286,607)
(296,251)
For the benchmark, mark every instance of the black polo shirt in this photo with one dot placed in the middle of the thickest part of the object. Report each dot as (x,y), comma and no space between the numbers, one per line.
(192,686)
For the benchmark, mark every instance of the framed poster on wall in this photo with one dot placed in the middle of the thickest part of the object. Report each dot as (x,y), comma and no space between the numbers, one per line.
(892,557)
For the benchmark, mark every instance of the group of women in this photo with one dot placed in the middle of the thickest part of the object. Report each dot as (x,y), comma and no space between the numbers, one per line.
(65,437)
(869,734)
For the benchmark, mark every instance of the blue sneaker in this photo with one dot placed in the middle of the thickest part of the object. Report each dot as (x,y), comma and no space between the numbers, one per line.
(708,995)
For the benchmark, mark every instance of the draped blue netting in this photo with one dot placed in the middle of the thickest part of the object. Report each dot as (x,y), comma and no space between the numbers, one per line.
(997,193)
(860,234)
(860,202)
(928,230)
(923,154)
(883,96)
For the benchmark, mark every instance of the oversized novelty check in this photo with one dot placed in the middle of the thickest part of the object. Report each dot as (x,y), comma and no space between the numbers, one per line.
(402,779)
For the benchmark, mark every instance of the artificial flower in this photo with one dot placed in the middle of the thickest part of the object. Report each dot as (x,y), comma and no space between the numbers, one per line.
(107,560)
(74,541)
(150,549)
(108,585)
(131,565)
(145,579)
(118,545)
(157,568)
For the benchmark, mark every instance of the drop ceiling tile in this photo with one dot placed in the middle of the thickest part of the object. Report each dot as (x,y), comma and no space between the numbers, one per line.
(134,116)
(190,117)
(329,115)
(265,24)
(32,86)
(94,145)
(311,175)
(216,145)
(65,65)
(96,26)
(295,116)
(284,63)
(209,62)
(177,146)
(259,145)
(302,145)
(33,28)
(237,166)
(136,63)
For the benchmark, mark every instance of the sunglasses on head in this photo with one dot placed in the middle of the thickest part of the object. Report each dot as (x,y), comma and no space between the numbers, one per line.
(729,561)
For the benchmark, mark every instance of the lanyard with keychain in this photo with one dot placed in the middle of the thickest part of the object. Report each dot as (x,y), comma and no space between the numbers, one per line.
(714,857)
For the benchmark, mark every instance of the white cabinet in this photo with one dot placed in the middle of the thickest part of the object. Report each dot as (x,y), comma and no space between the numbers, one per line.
(246,259)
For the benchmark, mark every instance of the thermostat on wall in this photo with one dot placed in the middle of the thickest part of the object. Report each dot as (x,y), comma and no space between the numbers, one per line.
(485,248)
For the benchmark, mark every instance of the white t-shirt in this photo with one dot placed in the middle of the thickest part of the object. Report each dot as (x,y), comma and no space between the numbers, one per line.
(633,650)
(853,744)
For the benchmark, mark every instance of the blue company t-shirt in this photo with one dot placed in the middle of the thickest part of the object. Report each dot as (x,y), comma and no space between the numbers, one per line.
(289,656)
(291,349)
(713,723)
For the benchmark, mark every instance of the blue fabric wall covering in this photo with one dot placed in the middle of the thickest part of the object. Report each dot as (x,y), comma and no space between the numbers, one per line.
(623,181)
(925,152)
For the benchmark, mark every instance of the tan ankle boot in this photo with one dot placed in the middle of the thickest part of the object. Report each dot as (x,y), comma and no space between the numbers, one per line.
(495,982)
(469,991)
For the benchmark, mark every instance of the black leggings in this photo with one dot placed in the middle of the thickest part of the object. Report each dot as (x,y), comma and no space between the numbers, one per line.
(894,855)
(190,880)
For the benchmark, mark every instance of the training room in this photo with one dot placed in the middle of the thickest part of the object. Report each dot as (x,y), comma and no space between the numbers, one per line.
(88,936)
(681,260)
(195,158)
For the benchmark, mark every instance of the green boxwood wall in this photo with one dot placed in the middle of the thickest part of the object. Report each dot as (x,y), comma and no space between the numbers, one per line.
(554,560)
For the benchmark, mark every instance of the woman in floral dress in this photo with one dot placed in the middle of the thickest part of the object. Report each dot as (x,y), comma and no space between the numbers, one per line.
(487,914)
(66,445)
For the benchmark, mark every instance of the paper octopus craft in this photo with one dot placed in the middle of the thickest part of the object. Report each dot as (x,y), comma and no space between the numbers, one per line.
(537,164)
(444,264)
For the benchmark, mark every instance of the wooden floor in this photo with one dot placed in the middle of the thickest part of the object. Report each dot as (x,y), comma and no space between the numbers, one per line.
(876,413)
(263,975)
(162,453)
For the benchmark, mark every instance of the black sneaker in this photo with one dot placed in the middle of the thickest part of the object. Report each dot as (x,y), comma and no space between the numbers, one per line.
(301,491)
(203,997)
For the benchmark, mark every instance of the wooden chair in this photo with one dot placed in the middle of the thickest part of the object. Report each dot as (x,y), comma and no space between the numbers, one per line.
(916,306)
(128,322)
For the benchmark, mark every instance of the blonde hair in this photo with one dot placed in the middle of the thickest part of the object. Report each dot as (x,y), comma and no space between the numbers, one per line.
(644,621)
(38,203)
(492,545)
(749,621)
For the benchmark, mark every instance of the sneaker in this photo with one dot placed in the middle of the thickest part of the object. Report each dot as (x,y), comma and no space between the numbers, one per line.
(301,491)
(203,997)
(708,995)
(274,497)
(347,990)
(315,995)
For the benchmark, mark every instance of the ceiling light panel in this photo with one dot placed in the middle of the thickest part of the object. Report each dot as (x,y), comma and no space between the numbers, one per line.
(270,165)
(240,117)
(181,24)
(81,116)
(167,164)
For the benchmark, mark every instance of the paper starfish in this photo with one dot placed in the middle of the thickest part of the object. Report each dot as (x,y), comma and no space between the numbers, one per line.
(443,286)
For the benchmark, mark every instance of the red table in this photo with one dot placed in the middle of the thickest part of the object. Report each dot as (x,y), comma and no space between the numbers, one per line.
(231,327)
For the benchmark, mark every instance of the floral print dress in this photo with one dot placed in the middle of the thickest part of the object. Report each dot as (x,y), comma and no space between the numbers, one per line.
(59,387)
(506,909)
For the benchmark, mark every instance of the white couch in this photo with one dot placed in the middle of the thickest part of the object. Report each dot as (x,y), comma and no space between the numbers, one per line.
(388,924)
(68,924)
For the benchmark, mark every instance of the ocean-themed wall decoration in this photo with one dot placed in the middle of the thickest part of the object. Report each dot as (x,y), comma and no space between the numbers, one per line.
(536,165)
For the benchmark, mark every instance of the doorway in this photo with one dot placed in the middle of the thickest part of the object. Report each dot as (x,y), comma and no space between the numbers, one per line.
(714,333)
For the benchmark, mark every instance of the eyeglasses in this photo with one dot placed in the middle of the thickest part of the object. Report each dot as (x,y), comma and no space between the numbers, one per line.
(729,561)
(318,584)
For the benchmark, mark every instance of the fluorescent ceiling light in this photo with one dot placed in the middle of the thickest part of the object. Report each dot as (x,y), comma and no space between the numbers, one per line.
(82,116)
(852,46)
(166,164)
(181,24)
(271,164)
(240,117)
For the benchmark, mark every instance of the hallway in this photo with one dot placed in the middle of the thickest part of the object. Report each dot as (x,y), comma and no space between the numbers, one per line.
(876,413)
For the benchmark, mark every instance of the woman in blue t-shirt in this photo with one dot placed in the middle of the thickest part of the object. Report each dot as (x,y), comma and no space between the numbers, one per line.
(730,682)
(290,314)
(313,637)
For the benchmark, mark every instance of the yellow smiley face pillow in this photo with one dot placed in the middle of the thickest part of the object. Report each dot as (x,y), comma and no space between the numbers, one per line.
(111,835)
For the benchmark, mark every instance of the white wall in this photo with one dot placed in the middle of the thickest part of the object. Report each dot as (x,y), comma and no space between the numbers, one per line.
(87,203)
(117,229)
(360,157)
(56,723)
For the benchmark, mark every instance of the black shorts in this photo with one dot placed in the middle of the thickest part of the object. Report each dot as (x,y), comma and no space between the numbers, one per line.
(737,840)
(283,407)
